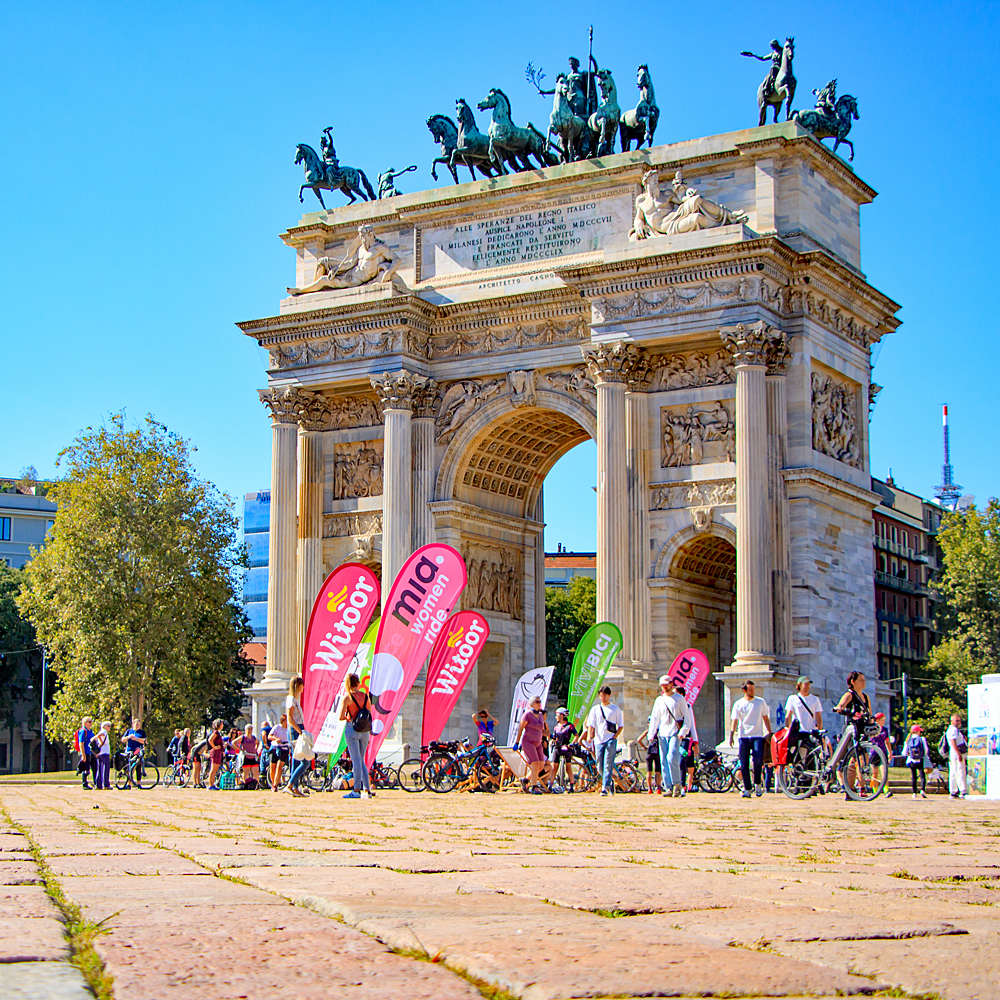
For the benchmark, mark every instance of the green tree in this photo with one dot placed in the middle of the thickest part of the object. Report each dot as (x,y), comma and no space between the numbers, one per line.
(569,612)
(133,594)
(16,634)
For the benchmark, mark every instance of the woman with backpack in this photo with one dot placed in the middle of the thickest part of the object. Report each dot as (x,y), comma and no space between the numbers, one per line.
(296,727)
(216,750)
(918,753)
(356,715)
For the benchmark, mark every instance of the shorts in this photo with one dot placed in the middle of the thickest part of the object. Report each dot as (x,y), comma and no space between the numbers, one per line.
(215,756)
(532,752)
(653,762)
(687,762)
(279,756)
(249,761)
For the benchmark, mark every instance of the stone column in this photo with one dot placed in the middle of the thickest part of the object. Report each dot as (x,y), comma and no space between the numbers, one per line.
(777,433)
(282,658)
(541,655)
(395,391)
(608,365)
(751,346)
(314,418)
(425,403)
(638,376)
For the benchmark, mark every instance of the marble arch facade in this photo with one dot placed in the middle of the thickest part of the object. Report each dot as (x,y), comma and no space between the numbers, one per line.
(724,374)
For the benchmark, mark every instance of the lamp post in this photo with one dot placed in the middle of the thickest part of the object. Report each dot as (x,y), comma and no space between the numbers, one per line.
(41,755)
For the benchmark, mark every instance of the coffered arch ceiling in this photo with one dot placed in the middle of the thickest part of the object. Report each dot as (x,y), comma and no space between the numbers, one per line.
(503,468)
(707,560)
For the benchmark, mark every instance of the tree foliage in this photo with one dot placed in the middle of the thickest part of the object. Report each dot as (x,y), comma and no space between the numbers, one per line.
(17,634)
(968,613)
(569,612)
(133,592)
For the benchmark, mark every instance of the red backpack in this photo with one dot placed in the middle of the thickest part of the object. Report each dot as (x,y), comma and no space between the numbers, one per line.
(779,747)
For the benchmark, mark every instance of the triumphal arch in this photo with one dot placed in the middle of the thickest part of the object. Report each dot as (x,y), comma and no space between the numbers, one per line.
(698,309)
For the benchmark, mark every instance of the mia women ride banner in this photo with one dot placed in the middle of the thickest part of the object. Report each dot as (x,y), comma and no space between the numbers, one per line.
(690,669)
(421,599)
(331,737)
(341,613)
(531,684)
(457,648)
(594,655)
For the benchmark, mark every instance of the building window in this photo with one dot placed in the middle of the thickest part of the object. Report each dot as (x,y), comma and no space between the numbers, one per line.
(895,635)
(904,540)
(894,532)
(884,638)
(906,638)
(4,529)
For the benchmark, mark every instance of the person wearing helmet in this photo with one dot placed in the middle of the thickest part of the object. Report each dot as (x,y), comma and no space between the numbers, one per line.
(559,748)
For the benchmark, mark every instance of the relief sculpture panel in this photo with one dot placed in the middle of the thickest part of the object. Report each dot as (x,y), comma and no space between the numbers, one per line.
(710,493)
(495,574)
(835,419)
(576,382)
(357,470)
(697,368)
(697,434)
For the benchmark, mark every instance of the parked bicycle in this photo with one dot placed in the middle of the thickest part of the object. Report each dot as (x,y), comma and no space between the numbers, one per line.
(478,767)
(135,769)
(853,765)
(177,773)
(712,773)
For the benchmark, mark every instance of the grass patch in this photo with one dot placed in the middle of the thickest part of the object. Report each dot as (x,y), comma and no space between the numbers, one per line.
(268,842)
(898,993)
(903,873)
(80,932)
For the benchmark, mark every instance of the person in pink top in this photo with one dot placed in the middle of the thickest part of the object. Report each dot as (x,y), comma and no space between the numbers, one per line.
(247,743)
(531,735)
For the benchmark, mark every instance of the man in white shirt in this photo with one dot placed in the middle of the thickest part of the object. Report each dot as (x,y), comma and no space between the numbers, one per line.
(750,716)
(805,710)
(957,749)
(604,725)
(669,722)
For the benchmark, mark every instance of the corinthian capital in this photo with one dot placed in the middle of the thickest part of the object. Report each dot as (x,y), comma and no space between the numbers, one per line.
(619,362)
(426,399)
(396,390)
(315,413)
(757,344)
(287,403)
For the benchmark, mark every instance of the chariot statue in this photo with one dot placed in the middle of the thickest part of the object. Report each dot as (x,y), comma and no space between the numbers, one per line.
(830,119)
(387,181)
(681,210)
(779,84)
(509,143)
(475,147)
(368,260)
(325,172)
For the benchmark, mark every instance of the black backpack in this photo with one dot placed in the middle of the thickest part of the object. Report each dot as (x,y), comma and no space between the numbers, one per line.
(363,720)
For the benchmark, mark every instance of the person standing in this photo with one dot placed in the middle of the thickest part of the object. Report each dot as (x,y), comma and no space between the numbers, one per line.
(917,754)
(88,761)
(296,727)
(173,747)
(216,750)
(957,749)
(654,774)
(604,725)
(530,740)
(804,712)
(279,751)
(669,724)
(689,748)
(102,740)
(484,724)
(356,715)
(195,759)
(750,718)
(559,750)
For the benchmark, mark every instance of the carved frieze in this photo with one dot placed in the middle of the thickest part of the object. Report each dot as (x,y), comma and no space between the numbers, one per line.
(461,400)
(341,347)
(522,388)
(357,469)
(696,434)
(575,381)
(835,419)
(508,337)
(708,493)
(354,411)
(695,368)
(678,298)
(357,524)
(495,574)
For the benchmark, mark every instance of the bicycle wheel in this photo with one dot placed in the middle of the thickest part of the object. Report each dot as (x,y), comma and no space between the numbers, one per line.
(796,779)
(487,775)
(857,775)
(168,776)
(713,779)
(182,775)
(408,775)
(316,779)
(387,777)
(441,773)
(625,777)
(121,780)
(146,776)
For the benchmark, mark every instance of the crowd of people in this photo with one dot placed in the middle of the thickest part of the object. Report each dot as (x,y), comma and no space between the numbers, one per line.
(670,741)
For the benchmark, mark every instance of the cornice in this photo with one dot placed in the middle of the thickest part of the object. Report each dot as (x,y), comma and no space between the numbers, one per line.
(469,512)
(832,484)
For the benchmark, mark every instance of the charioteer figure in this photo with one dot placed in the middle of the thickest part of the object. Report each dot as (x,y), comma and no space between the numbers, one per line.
(329,155)
(775,58)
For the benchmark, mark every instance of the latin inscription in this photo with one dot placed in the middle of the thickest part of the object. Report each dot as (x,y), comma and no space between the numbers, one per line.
(522,238)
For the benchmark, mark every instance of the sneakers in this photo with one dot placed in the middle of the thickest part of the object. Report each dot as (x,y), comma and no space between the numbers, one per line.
(650,792)
(364,794)
(915,795)
(683,791)
(923,795)
(745,793)
(353,795)
(955,795)
(760,791)
(604,791)
(659,789)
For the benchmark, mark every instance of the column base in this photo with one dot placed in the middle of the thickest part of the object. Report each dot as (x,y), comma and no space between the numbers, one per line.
(268,698)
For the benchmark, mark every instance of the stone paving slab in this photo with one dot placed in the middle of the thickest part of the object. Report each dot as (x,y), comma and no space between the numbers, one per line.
(43,981)
(778,899)
(18,873)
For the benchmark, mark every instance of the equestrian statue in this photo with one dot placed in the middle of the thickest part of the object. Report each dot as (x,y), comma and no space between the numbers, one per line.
(509,143)
(779,84)
(639,124)
(326,173)
(580,91)
(829,120)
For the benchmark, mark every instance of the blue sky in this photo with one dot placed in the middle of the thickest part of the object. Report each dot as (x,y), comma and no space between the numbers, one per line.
(147,169)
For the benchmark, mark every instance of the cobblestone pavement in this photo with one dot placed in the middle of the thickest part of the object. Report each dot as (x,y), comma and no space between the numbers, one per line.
(539,896)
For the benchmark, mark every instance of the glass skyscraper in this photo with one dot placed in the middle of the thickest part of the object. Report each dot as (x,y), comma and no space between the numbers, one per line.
(256,532)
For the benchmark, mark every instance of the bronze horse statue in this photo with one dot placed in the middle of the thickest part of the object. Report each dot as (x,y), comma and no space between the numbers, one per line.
(781,89)
(347,179)
(639,124)
(835,126)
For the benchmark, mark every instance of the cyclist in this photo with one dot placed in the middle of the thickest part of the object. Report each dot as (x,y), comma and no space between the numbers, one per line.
(563,734)
(173,747)
(134,740)
(804,712)
(856,706)
(279,750)
(194,756)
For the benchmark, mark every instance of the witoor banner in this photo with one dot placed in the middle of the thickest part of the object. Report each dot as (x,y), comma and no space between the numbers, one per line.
(532,684)
(422,596)
(690,669)
(341,613)
(594,654)
(457,648)
(331,737)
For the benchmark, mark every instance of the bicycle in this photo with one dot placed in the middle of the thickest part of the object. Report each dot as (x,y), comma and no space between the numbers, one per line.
(813,771)
(444,771)
(178,771)
(138,771)
(712,774)
(408,773)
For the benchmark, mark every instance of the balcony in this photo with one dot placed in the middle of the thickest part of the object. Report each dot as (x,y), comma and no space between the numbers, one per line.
(896,548)
(921,621)
(899,582)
